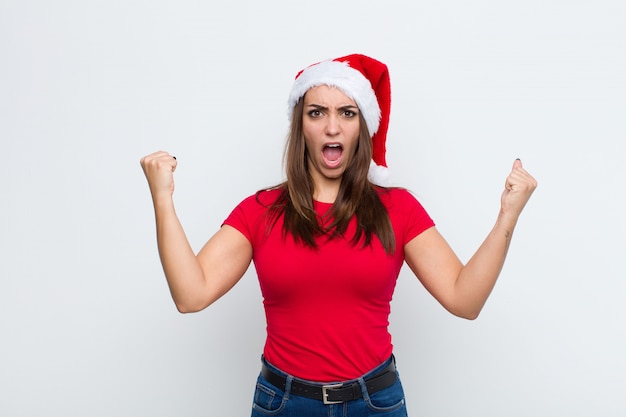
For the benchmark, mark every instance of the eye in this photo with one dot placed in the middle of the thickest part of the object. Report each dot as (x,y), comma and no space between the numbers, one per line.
(314,113)
(349,114)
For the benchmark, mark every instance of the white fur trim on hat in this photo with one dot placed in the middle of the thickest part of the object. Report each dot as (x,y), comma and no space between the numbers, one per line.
(349,80)
(379,175)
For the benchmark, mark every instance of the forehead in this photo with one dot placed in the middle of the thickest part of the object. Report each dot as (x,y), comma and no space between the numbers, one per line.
(324,94)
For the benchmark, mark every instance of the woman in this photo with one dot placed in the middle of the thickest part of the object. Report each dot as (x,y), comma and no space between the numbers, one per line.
(328,245)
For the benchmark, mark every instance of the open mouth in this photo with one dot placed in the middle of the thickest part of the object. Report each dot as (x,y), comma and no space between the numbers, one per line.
(332,153)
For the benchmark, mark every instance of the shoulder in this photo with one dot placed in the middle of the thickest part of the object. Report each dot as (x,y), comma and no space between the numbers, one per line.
(262,199)
(405,211)
(394,198)
(250,215)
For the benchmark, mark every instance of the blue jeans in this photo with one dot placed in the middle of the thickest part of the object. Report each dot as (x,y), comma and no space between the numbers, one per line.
(269,400)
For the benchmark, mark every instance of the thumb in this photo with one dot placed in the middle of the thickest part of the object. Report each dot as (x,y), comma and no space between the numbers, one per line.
(517,164)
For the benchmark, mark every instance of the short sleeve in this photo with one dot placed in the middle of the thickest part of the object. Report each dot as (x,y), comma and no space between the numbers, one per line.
(407,215)
(250,216)
(239,218)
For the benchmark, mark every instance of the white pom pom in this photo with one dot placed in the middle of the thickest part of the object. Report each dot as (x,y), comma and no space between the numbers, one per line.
(379,175)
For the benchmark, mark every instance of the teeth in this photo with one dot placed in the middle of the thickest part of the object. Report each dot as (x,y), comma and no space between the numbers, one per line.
(334,146)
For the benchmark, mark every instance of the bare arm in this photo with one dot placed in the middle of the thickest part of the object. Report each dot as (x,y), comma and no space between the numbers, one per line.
(464,289)
(195,282)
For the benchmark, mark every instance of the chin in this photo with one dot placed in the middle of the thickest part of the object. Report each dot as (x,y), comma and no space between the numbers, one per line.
(334,174)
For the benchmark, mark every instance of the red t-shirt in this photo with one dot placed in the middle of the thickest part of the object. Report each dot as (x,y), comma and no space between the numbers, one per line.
(327,309)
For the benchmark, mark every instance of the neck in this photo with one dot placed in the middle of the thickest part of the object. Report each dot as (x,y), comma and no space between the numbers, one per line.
(326,190)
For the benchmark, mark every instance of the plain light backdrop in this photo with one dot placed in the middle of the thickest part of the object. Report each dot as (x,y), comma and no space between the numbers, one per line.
(87,326)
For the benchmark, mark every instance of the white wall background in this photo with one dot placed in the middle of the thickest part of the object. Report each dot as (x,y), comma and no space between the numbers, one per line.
(87,327)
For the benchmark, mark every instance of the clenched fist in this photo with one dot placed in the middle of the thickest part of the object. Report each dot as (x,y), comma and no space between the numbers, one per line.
(159,169)
(518,188)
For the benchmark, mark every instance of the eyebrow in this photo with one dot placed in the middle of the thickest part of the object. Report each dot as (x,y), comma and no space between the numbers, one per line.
(320,107)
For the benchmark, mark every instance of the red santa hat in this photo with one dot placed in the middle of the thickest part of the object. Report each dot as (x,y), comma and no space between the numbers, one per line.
(366,81)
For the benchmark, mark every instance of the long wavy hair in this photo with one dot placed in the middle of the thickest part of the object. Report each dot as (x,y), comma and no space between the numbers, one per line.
(357,195)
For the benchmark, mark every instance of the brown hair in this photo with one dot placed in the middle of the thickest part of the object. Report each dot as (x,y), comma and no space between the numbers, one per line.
(356,196)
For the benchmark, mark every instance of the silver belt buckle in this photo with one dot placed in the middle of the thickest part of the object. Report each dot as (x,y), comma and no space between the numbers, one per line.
(325,393)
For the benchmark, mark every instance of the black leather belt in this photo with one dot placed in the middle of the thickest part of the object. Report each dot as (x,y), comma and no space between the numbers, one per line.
(337,392)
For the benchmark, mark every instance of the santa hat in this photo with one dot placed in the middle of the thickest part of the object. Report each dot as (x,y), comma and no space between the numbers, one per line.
(366,81)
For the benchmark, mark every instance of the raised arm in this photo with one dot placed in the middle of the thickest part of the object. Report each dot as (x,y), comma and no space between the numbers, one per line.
(464,289)
(195,282)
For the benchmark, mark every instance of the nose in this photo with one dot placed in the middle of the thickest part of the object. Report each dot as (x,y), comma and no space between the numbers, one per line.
(332,125)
